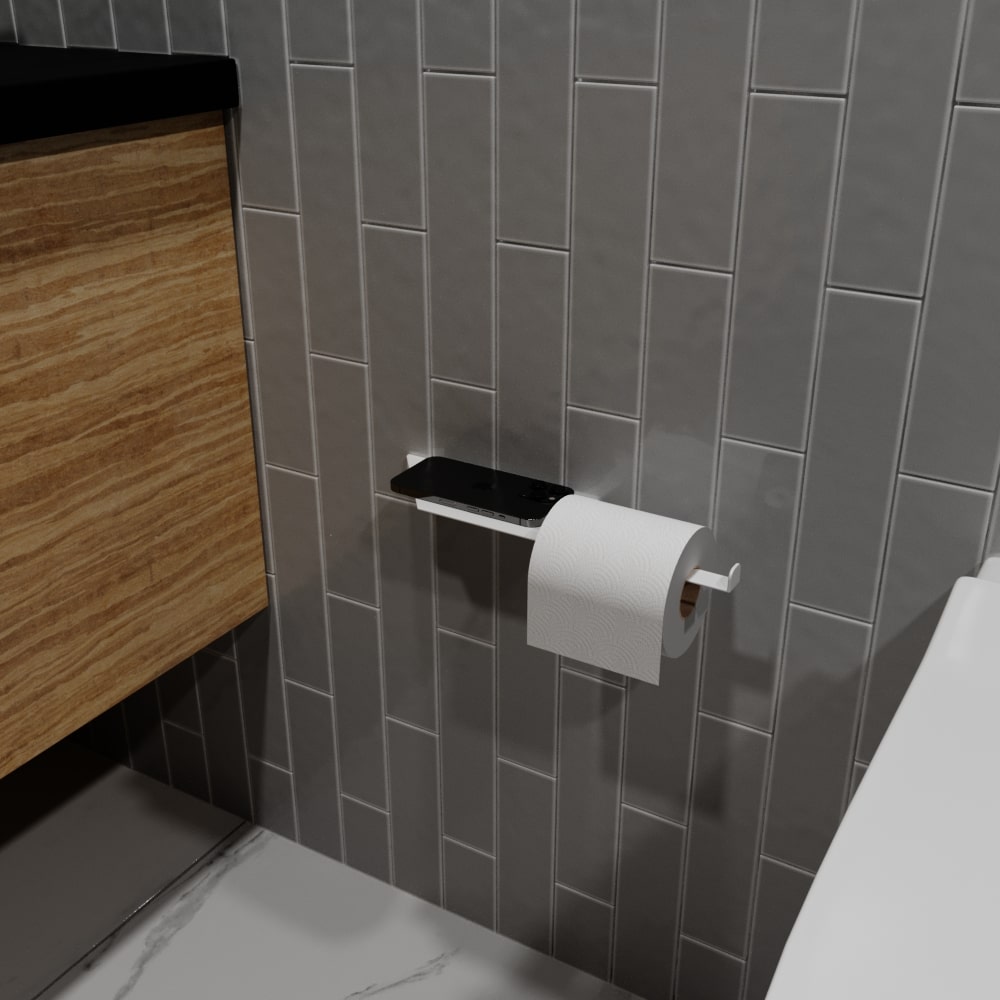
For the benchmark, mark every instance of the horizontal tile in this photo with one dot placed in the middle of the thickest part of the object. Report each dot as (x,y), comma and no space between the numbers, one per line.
(583,932)
(318,30)
(979,79)
(707,974)
(601,455)
(196,26)
(458,34)
(366,839)
(272,797)
(617,39)
(469,884)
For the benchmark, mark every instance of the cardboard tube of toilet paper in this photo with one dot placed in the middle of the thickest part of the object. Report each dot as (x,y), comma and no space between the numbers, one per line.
(605,585)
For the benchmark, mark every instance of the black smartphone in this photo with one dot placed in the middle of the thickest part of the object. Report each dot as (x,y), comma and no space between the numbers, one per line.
(500,495)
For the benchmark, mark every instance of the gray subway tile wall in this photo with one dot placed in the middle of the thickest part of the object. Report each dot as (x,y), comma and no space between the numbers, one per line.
(141,25)
(89,23)
(429,192)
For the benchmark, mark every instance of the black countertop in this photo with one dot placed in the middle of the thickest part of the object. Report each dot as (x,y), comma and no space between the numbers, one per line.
(49,91)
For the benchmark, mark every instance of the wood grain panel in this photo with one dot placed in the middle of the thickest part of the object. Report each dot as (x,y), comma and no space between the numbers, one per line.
(129,522)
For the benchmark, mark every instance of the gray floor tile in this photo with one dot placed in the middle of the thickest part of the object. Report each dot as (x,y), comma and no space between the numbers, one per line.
(707,974)
(39,22)
(395,273)
(357,686)
(601,455)
(781,892)
(416,834)
(458,34)
(583,932)
(145,733)
(531,361)
(326,138)
(649,888)
(618,40)
(903,81)
(345,478)
(273,798)
(804,45)
(857,423)
(275,275)
(465,573)
(936,536)
(534,80)
(590,755)
(299,577)
(179,696)
(186,755)
(610,243)
(318,30)
(140,25)
(525,822)
(814,736)
(468,741)
(980,75)
(196,26)
(366,839)
(703,93)
(88,23)
(314,769)
(461,242)
(469,884)
(527,676)
(659,735)
(784,233)
(725,820)
(387,68)
(267,164)
(954,399)
(407,612)
(758,501)
(682,402)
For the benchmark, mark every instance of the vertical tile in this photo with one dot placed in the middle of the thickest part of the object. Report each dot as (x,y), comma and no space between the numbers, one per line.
(781,892)
(787,197)
(707,974)
(611,198)
(273,800)
(758,500)
(601,455)
(659,735)
(649,888)
(901,91)
(458,34)
(463,422)
(814,736)
(299,577)
(468,746)
(725,819)
(357,683)
(345,478)
(468,884)
(954,400)
(682,401)
(89,23)
(8,33)
(465,572)
(253,382)
(525,821)
(460,225)
(617,40)
(279,335)
(857,773)
(145,733)
(936,536)
(314,769)
(703,93)
(366,839)
(857,423)
(416,834)
(394,263)
(582,932)
(318,31)
(186,754)
(179,696)
(141,25)
(258,646)
(225,746)
(590,756)
(407,612)
(257,43)
(534,80)
(804,45)
(325,138)
(526,676)
(224,645)
(531,360)
(387,68)
(39,22)
(196,26)
(980,75)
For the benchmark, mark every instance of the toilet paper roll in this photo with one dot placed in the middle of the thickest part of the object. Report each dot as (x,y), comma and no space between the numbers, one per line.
(605,585)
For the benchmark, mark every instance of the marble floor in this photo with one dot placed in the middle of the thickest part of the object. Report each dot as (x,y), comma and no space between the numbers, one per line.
(270,920)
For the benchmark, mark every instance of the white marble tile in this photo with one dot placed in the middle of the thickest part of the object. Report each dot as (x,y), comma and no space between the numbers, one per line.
(269,918)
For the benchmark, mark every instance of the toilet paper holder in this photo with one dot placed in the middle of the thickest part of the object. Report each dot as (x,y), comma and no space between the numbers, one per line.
(724,582)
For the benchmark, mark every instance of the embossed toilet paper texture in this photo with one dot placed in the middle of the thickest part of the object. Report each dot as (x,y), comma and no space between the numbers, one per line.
(604,585)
